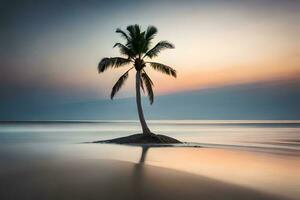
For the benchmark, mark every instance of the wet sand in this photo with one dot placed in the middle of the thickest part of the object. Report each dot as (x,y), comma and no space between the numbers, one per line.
(108,179)
(236,161)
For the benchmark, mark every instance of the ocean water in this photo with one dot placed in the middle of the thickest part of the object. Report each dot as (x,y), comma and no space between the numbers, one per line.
(261,155)
(264,135)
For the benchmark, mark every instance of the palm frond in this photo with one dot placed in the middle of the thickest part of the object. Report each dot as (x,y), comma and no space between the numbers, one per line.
(119,84)
(158,48)
(134,31)
(163,68)
(123,34)
(115,62)
(137,29)
(138,43)
(150,33)
(142,85)
(124,49)
(148,83)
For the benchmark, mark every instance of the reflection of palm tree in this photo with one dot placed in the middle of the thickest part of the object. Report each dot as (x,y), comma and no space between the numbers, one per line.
(136,50)
(138,174)
(142,160)
(144,153)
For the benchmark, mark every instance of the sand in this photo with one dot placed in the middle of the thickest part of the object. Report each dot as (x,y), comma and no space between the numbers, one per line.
(74,179)
(142,139)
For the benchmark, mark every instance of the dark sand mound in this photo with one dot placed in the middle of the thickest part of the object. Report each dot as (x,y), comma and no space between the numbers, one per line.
(142,139)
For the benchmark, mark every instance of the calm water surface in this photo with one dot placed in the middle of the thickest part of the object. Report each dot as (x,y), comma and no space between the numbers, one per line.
(283,135)
(262,155)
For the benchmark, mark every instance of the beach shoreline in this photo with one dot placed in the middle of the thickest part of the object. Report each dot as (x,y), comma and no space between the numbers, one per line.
(111,179)
(86,176)
(238,160)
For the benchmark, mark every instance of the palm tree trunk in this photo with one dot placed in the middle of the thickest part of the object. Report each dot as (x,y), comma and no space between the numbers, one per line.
(145,128)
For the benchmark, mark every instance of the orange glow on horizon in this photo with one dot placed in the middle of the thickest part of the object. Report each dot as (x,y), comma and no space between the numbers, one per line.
(215,45)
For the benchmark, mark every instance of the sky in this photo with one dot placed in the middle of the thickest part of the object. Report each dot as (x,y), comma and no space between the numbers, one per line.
(55,46)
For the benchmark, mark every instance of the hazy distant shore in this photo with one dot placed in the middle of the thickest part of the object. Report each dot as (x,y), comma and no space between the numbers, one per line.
(168,121)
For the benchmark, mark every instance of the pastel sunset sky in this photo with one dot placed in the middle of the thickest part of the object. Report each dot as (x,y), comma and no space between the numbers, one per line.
(56,45)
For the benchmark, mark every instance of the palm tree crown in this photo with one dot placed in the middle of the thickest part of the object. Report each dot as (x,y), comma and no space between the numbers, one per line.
(136,49)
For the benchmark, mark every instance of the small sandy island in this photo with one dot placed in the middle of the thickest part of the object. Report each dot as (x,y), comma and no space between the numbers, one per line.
(142,139)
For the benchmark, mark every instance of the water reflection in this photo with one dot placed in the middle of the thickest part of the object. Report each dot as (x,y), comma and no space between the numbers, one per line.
(139,174)
(132,170)
(190,160)
(267,134)
(272,173)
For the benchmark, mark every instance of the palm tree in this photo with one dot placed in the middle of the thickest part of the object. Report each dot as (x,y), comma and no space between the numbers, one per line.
(136,50)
